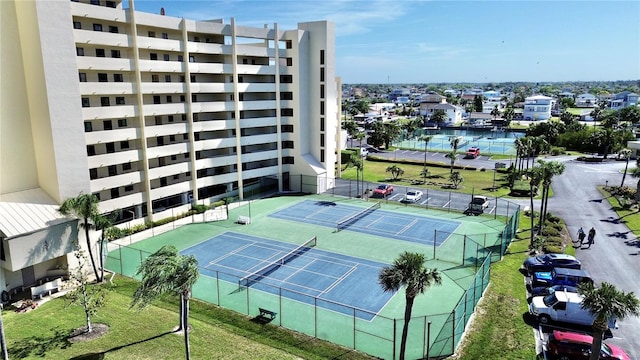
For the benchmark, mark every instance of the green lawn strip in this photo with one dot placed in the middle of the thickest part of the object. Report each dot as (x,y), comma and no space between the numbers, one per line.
(629,216)
(146,334)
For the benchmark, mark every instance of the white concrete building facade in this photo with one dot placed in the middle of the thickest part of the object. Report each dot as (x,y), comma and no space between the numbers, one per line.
(153,113)
(537,108)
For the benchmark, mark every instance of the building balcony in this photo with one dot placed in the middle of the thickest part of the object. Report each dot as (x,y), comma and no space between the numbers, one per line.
(208,48)
(121,202)
(107,88)
(213,125)
(212,88)
(256,70)
(98,12)
(107,136)
(210,68)
(260,155)
(258,139)
(167,150)
(169,170)
(166,129)
(217,179)
(217,161)
(108,112)
(213,106)
(104,63)
(116,181)
(165,109)
(176,188)
(158,43)
(159,66)
(120,157)
(257,87)
(214,143)
(163,88)
(101,38)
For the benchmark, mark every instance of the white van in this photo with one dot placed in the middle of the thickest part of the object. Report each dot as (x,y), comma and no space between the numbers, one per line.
(563,306)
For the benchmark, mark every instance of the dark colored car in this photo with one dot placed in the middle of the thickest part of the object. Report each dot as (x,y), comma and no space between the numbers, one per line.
(564,345)
(383,190)
(559,276)
(544,291)
(547,262)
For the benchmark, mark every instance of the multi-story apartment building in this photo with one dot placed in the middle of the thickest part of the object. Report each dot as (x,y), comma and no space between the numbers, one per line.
(153,113)
(538,107)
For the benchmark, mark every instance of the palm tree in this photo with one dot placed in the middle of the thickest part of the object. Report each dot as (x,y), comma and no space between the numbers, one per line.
(426,139)
(548,170)
(438,117)
(456,179)
(395,171)
(454,141)
(626,154)
(102,223)
(606,302)
(534,182)
(508,115)
(166,271)
(85,207)
(495,112)
(635,173)
(408,270)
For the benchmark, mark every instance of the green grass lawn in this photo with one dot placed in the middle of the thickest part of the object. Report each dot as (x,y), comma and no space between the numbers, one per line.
(217,333)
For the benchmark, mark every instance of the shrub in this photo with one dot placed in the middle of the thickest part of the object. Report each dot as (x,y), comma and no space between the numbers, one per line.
(217,203)
(550,231)
(140,227)
(558,150)
(199,208)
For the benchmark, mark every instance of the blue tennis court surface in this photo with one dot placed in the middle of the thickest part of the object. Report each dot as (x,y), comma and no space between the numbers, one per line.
(389,224)
(339,279)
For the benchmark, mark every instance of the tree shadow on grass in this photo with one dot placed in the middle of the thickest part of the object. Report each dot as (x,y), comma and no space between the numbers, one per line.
(40,345)
(100,355)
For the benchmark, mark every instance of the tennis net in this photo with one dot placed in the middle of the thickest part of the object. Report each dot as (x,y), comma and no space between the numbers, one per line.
(269,268)
(350,220)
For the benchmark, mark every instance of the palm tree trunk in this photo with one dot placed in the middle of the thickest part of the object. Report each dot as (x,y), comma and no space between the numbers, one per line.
(532,215)
(182,310)
(624,175)
(185,315)
(405,328)
(93,261)
(101,255)
(596,345)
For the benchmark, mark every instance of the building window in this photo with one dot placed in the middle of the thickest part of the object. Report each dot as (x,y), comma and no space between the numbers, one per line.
(85,102)
(153,56)
(167,78)
(287,128)
(180,58)
(91,150)
(113,29)
(321,91)
(97,195)
(192,78)
(113,170)
(163,181)
(166,57)
(124,144)
(165,35)
(169,99)
(77,25)
(289,44)
(122,123)
(172,138)
(321,124)
(196,39)
(286,112)
(110,148)
(289,62)
(107,125)
(115,54)
(158,120)
(286,79)
(182,98)
(321,107)
(120,100)
(80,51)
(192,59)
(151,34)
(104,101)
(118,78)
(128,188)
(97,27)
(240,79)
(155,78)
(287,144)
(93,174)
(83,77)
(99,52)
(321,57)
(103,78)
(159,140)
(88,127)
(115,193)
(321,74)
(321,155)
(184,117)
(126,166)
(111,4)
(170,118)
(287,160)
(182,78)
(194,98)
(156,99)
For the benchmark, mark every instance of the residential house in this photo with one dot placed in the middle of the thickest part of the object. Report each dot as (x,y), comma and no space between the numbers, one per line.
(586,101)
(538,107)
(623,100)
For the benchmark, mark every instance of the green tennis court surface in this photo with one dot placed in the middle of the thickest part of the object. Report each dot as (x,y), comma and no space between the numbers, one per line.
(439,315)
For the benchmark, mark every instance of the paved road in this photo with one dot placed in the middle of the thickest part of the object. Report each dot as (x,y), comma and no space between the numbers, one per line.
(615,255)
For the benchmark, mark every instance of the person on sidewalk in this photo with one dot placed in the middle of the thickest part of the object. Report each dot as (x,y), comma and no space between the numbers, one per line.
(592,235)
(581,235)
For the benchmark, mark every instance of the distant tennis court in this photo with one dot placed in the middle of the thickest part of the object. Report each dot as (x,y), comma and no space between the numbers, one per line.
(370,220)
(305,272)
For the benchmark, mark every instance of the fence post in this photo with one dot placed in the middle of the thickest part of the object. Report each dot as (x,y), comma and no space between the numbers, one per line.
(428,339)
(464,247)
(435,239)
(394,338)
(453,332)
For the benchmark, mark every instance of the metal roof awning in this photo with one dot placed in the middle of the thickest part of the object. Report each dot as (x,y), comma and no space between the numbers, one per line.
(28,211)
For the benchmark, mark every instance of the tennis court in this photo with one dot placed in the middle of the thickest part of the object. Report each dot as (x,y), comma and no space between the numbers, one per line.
(306,273)
(370,220)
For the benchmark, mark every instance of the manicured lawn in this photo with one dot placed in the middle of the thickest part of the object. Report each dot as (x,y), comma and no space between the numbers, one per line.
(217,333)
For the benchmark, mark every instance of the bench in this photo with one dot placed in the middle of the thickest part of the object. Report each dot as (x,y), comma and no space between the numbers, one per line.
(243,220)
(46,289)
(267,314)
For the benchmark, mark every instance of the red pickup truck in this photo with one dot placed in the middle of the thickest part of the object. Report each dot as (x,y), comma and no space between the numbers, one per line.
(473,153)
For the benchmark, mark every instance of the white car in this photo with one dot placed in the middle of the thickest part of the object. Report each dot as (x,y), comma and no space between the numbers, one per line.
(412,196)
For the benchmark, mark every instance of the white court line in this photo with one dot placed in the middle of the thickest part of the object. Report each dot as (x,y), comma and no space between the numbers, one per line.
(446,204)
(339,280)
(407,227)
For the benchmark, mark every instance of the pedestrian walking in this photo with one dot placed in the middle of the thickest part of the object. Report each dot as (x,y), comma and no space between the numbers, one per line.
(581,235)
(592,236)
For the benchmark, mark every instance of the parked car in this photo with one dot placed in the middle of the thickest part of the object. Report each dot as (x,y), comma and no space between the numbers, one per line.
(477,205)
(472,153)
(559,276)
(565,307)
(564,345)
(544,291)
(412,196)
(383,190)
(546,262)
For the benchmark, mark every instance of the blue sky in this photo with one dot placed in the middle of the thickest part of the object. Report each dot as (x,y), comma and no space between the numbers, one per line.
(418,41)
